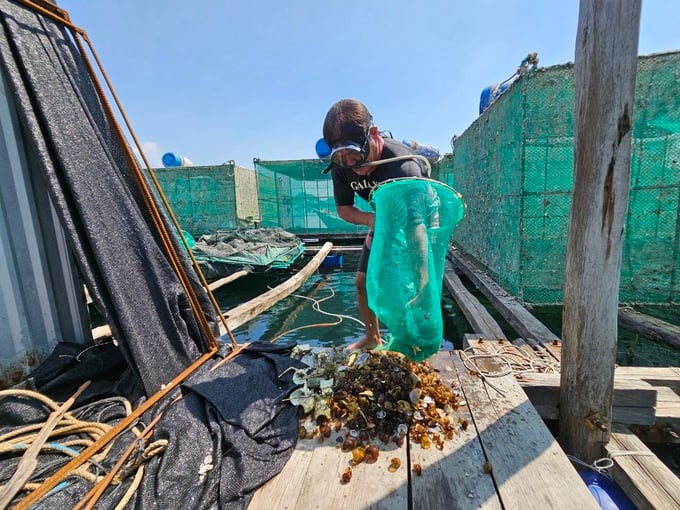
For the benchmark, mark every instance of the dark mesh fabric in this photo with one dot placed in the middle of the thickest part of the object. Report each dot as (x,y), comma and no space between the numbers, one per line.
(72,144)
(234,414)
(230,432)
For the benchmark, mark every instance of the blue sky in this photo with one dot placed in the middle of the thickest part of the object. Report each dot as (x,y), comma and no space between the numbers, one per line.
(233,80)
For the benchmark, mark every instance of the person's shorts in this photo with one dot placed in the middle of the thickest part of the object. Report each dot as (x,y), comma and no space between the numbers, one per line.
(365,252)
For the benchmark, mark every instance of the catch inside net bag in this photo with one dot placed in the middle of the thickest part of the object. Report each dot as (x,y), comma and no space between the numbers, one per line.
(414,221)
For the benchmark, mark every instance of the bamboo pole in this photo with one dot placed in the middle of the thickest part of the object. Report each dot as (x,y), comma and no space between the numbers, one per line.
(247,311)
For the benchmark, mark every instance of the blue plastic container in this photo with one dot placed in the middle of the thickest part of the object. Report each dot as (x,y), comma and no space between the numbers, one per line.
(491,93)
(322,149)
(170,159)
(332,261)
(607,494)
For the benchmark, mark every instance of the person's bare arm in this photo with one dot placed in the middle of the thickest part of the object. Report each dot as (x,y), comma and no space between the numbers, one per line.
(351,214)
(417,235)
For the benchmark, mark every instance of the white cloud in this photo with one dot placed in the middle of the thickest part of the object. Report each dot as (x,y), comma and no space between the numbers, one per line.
(152,153)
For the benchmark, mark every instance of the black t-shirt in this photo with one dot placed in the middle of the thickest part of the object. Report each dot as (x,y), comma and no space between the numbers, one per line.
(346,183)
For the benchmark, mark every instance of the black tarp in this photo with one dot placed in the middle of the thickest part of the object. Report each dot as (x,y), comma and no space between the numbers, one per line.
(73,146)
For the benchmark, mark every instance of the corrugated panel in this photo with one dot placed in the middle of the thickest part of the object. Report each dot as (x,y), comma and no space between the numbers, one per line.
(41,301)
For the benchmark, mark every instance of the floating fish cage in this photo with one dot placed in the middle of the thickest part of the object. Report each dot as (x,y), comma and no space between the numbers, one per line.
(514,167)
(297,196)
(207,199)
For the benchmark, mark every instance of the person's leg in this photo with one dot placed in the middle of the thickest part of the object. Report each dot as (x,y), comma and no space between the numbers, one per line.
(372,337)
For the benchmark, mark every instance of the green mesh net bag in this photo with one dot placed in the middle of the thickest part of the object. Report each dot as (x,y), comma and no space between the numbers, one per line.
(414,223)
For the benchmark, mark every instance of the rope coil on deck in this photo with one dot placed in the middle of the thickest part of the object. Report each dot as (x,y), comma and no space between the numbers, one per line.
(71,435)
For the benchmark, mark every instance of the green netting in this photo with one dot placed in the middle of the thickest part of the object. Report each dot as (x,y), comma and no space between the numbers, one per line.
(413,225)
(202,198)
(297,196)
(514,166)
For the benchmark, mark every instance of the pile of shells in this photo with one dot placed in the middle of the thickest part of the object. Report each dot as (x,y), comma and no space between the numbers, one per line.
(374,397)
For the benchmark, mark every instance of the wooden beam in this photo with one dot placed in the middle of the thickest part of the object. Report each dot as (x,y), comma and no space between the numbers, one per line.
(227,279)
(529,469)
(453,476)
(649,327)
(647,481)
(477,316)
(521,320)
(634,401)
(247,311)
(605,68)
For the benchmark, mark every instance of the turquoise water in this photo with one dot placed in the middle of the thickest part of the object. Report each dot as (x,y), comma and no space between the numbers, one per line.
(631,349)
(322,312)
(333,320)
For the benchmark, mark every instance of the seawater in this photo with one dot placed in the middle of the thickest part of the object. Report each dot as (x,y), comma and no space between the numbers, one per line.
(332,321)
(632,350)
(322,312)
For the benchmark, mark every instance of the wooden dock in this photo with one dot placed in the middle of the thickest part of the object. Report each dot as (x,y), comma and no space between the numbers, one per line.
(502,456)
(646,399)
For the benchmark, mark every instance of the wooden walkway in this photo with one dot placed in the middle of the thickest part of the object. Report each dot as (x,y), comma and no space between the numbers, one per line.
(502,457)
(646,399)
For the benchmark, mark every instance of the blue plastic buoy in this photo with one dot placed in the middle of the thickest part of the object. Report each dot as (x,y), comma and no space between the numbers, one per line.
(608,495)
(170,159)
(322,149)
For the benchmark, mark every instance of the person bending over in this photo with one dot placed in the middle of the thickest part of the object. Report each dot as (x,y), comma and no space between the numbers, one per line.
(354,140)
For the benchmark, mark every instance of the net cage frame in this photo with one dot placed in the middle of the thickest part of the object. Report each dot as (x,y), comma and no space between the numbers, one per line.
(514,166)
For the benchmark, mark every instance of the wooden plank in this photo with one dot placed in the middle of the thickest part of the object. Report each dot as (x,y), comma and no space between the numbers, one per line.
(477,316)
(667,406)
(656,376)
(453,477)
(525,324)
(516,356)
(649,327)
(647,481)
(245,312)
(525,349)
(312,479)
(283,490)
(227,279)
(554,347)
(529,468)
(634,401)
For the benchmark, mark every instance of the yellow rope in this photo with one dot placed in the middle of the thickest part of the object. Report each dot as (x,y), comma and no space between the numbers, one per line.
(21,439)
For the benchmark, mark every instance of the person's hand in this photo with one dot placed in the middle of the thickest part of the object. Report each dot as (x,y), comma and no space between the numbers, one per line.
(423,280)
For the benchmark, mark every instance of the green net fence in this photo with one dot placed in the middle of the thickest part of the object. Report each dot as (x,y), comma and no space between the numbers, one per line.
(514,166)
(297,196)
(206,199)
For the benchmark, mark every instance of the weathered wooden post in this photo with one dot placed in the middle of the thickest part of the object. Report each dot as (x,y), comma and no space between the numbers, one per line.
(605,67)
